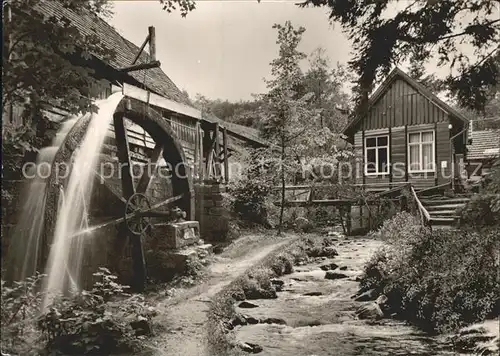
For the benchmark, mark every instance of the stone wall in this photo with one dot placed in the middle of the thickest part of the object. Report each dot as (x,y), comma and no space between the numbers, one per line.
(210,212)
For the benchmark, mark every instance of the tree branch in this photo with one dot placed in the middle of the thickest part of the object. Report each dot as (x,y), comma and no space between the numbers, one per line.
(408,38)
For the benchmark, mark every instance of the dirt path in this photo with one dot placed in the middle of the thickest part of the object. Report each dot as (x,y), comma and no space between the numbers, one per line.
(184,317)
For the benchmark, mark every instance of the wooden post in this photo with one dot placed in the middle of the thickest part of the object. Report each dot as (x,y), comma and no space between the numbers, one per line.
(226,157)
(349,222)
(206,147)
(196,151)
(217,152)
(403,203)
(152,43)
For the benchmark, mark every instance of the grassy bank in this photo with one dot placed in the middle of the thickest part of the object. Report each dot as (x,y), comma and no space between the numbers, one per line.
(257,282)
(439,280)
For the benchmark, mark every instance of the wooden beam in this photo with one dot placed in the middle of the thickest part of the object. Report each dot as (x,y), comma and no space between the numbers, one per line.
(140,66)
(141,49)
(160,101)
(123,154)
(217,151)
(197,151)
(319,202)
(152,43)
(149,169)
(226,157)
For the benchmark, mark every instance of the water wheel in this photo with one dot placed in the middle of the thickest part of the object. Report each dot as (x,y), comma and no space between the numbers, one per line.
(124,208)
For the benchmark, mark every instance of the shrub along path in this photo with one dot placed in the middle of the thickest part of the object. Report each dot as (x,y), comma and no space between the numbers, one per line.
(184,317)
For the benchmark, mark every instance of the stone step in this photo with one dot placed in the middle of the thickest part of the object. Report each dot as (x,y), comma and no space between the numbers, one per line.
(442,221)
(443,213)
(448,201)
(444,207)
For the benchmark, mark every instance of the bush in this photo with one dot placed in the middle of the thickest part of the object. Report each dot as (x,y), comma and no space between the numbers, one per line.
(439,280)
(250,200)
(19,309)
(403,226)
(481,210)
(105,320)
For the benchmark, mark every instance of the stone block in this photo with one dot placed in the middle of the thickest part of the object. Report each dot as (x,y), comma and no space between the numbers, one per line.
(164,265)
(177,235)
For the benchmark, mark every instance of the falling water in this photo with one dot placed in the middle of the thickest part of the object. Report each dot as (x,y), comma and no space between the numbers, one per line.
(66,253)
(26,238)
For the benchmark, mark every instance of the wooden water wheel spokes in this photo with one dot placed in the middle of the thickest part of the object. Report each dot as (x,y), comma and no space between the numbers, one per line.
(150,213)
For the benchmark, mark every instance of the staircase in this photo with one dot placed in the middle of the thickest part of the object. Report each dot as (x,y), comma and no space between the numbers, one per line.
(442,210)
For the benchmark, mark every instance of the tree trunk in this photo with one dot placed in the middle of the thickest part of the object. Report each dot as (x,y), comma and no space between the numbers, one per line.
(283,184)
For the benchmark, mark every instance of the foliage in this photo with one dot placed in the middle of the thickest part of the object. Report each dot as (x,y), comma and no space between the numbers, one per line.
(184,6)
(19,309)
(403,226)
(250,195)
(103,320)
(440,280)
(289,117)
(91,323)
(483,210)
(327,85)
(243,112)
(387,32)
(41,54)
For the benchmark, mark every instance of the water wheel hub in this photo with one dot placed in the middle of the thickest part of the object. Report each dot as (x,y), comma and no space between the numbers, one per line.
(136,222)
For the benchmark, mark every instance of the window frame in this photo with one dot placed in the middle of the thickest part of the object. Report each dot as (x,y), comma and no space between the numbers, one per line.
(377,173)
(420,144)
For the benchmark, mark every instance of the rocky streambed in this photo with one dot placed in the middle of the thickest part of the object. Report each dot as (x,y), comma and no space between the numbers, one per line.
(314,313)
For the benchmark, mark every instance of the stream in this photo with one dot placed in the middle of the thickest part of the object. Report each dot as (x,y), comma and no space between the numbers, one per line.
(320,314)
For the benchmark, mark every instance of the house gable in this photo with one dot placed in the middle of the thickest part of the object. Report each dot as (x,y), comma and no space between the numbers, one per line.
(400,101)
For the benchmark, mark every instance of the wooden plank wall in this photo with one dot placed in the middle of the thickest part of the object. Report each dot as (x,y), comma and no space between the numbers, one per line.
(443,152)
(359,154)
(402,105)
(398,154)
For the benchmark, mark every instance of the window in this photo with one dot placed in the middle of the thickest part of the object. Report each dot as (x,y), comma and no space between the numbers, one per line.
(377,155)
(421,152)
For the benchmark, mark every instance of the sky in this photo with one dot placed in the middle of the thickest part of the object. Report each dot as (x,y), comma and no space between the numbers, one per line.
(223,48)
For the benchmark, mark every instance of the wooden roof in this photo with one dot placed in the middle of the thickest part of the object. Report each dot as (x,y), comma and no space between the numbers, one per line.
(89,24)
(395,74)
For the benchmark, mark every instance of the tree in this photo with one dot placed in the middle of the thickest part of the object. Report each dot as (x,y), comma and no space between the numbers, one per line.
(287,116)
(327,86)
(421,31)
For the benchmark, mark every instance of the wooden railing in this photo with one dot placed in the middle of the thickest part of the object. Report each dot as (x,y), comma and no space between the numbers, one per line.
(424,214)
